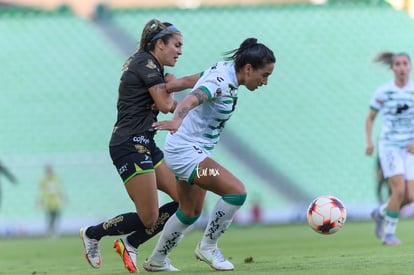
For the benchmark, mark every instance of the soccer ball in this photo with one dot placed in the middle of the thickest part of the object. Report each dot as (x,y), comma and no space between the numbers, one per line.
(326,215)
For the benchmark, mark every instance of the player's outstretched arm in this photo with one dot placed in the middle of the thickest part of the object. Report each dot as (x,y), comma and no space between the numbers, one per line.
(180,84)
(163,93)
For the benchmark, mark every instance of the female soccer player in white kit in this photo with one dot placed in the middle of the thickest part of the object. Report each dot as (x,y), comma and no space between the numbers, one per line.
(194,131)
(395,102)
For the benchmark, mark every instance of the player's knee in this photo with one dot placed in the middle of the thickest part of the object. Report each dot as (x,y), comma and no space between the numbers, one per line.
(149,220)
(235,199)
(242,190)
(399,195)
(238,188)
(193,211)
(187,218)
(409,198)
(149,223)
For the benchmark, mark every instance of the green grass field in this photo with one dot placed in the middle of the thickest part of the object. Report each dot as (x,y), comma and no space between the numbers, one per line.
(281,249)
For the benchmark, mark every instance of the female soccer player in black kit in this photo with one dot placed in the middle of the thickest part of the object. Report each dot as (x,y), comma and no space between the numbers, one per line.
(144,90)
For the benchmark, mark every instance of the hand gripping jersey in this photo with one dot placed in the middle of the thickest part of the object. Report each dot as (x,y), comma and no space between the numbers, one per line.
(396,106)
(204,123)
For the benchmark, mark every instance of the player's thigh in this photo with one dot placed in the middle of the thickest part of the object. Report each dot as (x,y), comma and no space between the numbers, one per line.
(191,198)
(182,158)
(136,167)
(166,180)
(214,177)
(409,166)
(392,161)
(142,189)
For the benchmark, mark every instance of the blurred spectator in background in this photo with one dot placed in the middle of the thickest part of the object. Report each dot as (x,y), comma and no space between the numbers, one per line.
(394,101)
(4,171)
(51,198)
(256,211)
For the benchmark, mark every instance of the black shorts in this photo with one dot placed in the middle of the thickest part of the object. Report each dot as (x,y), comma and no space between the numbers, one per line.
(138,155)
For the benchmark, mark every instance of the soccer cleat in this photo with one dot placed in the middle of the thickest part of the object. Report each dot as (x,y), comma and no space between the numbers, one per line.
(379,222)
(91,249)
(151,266)
(390,239)
(127,253)
(213,258)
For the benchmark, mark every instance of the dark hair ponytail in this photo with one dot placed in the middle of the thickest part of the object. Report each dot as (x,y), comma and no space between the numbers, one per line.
(251,52)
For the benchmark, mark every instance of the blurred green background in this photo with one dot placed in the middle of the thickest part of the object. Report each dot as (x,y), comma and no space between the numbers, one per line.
(299,137)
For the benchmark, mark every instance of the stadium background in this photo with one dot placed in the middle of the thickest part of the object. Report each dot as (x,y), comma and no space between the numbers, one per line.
(300,136)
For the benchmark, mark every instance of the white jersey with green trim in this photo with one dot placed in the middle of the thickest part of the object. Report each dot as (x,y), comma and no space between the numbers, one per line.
(204,124)
(396,106)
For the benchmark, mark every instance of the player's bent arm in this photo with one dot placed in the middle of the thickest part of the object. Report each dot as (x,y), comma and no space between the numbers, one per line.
(369,122)
(180,84)
(191,101)
(163,100)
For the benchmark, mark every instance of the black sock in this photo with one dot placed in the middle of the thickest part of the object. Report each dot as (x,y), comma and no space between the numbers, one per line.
(143,234)
(120,225)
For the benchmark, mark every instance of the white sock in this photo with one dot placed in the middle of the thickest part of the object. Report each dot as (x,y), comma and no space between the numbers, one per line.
(390,225)
(170,236)
(220,219)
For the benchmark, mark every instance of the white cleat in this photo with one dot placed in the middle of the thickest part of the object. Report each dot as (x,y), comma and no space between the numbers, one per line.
(128,254)
(213,258)
(379,222)
(92,252)
(151,266)
(390,239)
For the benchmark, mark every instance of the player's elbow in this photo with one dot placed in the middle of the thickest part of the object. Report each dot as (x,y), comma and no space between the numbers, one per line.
(165,105)
(164,108)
